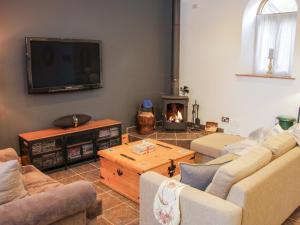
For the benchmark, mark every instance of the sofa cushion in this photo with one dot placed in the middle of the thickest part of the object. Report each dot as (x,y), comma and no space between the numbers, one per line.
(240,146)
(280,144)
(198,175)
(11,183)
(222,159)
(295,132)
(8,154)
(50,206)
(256,137)
(213,145)
(37,182)
(238,169)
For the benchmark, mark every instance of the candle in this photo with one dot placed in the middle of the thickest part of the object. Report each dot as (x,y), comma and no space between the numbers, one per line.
(271,53)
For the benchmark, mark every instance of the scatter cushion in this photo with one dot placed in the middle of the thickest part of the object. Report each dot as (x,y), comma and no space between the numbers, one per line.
(198,175)
(295,132)
(261,134)
(275,130)
(280,144)
(11,183)
(236,170)
(258,135)
(220,160)
(240,146)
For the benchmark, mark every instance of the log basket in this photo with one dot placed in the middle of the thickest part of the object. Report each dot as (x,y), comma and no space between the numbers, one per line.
(145,120)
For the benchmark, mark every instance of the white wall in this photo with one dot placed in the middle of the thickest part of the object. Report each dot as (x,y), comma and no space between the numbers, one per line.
(210,58)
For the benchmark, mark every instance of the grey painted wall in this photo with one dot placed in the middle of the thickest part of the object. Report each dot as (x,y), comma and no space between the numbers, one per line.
(136,37)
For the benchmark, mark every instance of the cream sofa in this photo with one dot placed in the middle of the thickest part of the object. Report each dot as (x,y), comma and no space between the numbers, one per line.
(267,197)
(212,146)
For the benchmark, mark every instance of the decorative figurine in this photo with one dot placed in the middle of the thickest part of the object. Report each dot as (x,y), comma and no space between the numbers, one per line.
(75,120)
(184,90)
(271,56)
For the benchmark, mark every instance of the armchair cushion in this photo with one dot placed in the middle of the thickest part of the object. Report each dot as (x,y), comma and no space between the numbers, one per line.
(50,206)
(35,181)
(8,154)
(11,183)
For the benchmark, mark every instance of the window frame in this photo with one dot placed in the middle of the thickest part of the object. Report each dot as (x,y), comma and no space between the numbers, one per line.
(260,13)
(263,4)
(248,43)
(261,7)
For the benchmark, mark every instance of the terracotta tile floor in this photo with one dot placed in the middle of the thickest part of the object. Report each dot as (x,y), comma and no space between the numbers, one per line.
(117,210)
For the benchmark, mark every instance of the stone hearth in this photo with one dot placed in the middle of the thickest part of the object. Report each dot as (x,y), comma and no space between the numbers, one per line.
(179,138)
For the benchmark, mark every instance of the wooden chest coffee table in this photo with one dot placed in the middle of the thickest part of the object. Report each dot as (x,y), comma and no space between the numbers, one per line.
(120,167)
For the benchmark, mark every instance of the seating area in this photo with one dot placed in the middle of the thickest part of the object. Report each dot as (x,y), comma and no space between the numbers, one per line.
(242,190)
(149,112)
(95,203)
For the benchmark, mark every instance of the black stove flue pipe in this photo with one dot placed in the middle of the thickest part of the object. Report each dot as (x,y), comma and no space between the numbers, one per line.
(175,47)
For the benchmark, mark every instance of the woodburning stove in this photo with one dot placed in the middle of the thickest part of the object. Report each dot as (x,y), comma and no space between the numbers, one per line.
(175,107)
(175,110)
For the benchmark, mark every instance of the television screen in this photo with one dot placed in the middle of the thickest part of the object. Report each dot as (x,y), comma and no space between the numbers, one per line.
(55,65)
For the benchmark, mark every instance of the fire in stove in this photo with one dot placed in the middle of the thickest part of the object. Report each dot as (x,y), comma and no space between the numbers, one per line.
(174,109)
(174,113)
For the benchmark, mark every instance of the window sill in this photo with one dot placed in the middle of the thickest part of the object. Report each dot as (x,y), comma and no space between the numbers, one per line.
(286,77)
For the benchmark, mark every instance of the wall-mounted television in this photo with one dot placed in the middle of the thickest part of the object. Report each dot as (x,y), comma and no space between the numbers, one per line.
(59,65)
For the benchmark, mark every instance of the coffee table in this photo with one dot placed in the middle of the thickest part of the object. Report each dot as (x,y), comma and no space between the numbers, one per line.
(120,167)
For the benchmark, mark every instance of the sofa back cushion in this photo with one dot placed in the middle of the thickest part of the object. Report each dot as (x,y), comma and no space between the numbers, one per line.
(11,183)
(280,144)
(8,154)
(36,182)
(222,159)
(234,171)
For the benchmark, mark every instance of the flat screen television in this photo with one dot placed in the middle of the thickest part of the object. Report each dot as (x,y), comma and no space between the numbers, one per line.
(59,65)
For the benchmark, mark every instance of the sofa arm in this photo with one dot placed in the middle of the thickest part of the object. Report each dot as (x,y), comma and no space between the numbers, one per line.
(197,207)
(8,154)
(49,207)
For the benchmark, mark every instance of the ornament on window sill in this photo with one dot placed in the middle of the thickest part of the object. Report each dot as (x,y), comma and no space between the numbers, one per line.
(270,66)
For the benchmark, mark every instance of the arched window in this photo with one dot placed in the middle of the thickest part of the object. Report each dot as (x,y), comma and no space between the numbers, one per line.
(275,36)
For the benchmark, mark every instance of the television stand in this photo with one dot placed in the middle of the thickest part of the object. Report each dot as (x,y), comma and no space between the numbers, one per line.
(56,147)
